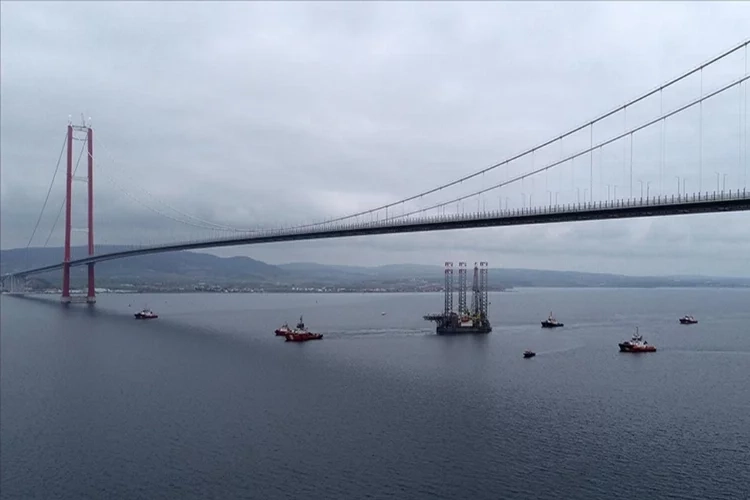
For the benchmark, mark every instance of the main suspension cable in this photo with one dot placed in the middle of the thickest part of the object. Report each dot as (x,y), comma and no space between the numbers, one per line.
(545,144)
(62,205)
(583,152)
(202,223)
(49,190)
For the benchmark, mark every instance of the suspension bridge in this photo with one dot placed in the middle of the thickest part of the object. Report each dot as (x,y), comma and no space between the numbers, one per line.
(691,129)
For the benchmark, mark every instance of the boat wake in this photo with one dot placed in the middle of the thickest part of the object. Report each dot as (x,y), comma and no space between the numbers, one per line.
(558,351)
(380,332)
(710,351)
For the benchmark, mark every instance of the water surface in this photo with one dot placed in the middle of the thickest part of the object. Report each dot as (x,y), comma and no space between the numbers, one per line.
(206,403)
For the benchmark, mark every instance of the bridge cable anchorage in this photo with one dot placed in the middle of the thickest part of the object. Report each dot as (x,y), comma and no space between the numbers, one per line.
(49,190)
(204,224)
(597,119)
(587,150)
(62,204)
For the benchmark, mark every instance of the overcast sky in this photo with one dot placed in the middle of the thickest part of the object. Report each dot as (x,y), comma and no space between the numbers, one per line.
(254,114)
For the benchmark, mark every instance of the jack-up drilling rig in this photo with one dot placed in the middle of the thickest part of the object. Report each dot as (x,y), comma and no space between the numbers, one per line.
(472,319)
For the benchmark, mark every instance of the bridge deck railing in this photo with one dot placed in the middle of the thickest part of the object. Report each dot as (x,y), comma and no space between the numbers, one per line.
(399,220)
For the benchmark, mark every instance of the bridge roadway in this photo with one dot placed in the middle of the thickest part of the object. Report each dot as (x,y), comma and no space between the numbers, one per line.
(731,201)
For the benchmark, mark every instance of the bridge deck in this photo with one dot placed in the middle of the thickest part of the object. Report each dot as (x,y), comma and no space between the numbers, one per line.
(657,206)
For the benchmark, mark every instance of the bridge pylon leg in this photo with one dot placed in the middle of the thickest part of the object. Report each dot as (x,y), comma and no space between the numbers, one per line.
(65,299)
(91,295)
(68,193)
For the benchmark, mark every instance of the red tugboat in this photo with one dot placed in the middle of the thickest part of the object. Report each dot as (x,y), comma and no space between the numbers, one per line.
(146,314)
(688,320)
(636,344)
(301,334)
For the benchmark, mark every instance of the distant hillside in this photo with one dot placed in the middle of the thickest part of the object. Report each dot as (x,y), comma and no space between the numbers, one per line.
(506,278)
(166,268)
(192,268)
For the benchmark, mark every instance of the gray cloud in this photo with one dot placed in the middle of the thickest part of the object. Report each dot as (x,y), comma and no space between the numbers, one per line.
(251,114)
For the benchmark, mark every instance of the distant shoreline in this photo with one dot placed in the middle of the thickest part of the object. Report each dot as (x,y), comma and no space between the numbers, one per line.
(381,292)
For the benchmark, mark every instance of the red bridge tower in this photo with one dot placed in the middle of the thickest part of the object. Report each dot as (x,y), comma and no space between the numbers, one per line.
(89,179)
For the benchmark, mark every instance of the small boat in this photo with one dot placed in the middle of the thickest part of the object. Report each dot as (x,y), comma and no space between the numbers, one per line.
(529,354)
(636,344)
(551,322)
(301,334)
(283,330)
(146,314)
(688,320)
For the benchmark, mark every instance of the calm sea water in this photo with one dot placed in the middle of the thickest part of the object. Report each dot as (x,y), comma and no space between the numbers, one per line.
(206,403)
